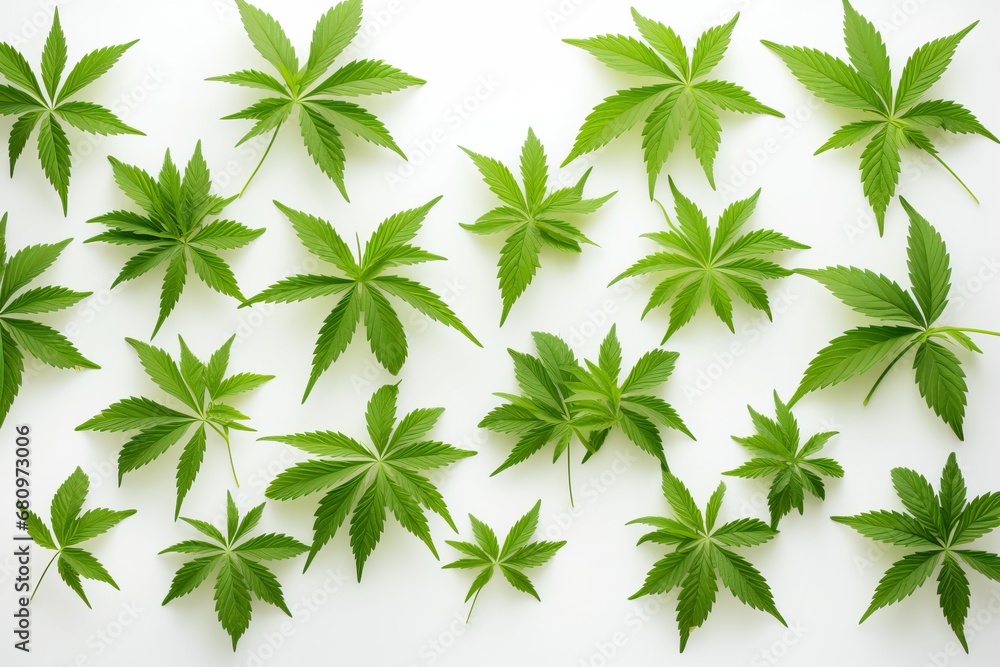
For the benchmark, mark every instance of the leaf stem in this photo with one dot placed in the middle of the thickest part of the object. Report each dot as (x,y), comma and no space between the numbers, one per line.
(229,449)
(952,172)
(261,163)
(44,572)
(473,605)
(889,368)
(569,475)
(985,332)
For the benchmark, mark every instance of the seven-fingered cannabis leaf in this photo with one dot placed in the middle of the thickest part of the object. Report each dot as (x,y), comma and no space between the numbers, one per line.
(701,554)
(240,573)
(364,288)
(680,95)
(322,119)
(388,474)
(939,373)
(202,388)
(33,107)
(518,553)
(702,268)
(532,217)
(897,121)
(939,525)
(69,529)
(776,452)
(173,229)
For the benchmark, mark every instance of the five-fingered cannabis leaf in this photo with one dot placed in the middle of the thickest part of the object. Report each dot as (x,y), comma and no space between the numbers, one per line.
(322,119)
(173,229)
(532,217)
(201,387)
(701,555)
(388,474)
(897,121)
(364,288)
(937,524)
(939,373)
(240,574)
(680,96)
(776,452)
(33,107)
(702,268)
(69,529)
(518,553)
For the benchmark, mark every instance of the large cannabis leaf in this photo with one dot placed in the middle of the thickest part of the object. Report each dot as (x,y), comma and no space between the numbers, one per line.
(939,373)
(531,217)
(702,268)
(937,524)
(894,121)
(69,529)
(679,96)
(240,574)
(371,478)
(202,388)
(33,107)
(364,287)
(701,555)
(322,119)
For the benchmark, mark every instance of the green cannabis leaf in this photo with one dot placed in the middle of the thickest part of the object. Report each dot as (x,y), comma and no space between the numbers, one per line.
(777,452)
(240,574)
(35,108)
(532,217)
(174,229)
(517,554)
(323,120)
(388,474)
(69,529)
(939,373)
(365,287)
(679,96)
(937,524)
(701,267)
(202,388)
(702,554)
(894,121)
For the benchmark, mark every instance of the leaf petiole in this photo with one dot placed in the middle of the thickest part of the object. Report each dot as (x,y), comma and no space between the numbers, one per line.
(229,450)
(44,572)
(952,172)
(262,158)
(888,368)
(473,606)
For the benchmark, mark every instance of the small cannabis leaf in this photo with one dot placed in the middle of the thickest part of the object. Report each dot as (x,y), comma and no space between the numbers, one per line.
(776,451)
(701,556)
(897,121)
(937,524)
(174,229)
(202,388)
(532,217)
(33,107)
(323,120)
(240,574)
(69,529)
(371,478)
(364,288)
(679,96)
(702,268)
(939,373)
(516,555)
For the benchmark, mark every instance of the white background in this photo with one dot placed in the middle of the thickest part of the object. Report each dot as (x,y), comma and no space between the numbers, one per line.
(493,69)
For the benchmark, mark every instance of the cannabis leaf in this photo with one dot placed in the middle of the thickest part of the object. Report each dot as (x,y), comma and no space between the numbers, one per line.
(365,287)
(25,99)
(202,388)
(323,119)
(69,529)
(939,373)
(532,217)
(240,574)
(938,524)
(701,556)
(680,95)
(776,452)
(701,267)
(893,121)
(516,555)
(388,474)
(174,229)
